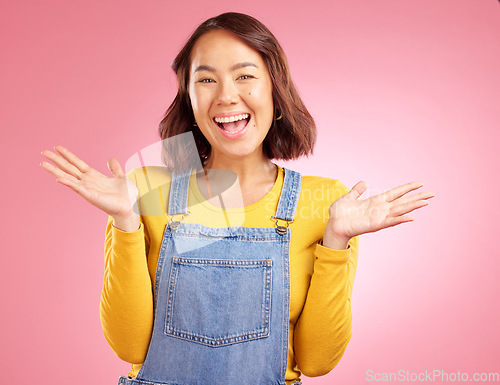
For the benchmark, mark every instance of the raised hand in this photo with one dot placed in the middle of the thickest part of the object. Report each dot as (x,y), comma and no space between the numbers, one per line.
(114,195)
(350,216)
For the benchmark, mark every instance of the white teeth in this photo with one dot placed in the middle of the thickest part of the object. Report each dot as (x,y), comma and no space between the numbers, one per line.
(234,118)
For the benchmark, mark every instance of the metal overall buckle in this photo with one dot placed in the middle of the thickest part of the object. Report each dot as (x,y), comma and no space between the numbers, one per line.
(281,230)
(174,225)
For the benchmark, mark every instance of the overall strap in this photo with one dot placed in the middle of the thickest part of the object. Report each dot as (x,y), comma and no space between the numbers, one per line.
(177,203)
(289,197)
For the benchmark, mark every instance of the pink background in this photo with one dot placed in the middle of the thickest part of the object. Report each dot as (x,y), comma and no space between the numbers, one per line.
(400,90)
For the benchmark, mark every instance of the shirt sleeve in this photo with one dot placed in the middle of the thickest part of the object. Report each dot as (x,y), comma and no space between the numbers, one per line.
(126,306)
(324,327)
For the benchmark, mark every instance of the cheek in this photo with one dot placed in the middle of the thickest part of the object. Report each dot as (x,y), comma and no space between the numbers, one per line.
(197,101)
(261,91)
(263,103)
(192,98)
(261,97)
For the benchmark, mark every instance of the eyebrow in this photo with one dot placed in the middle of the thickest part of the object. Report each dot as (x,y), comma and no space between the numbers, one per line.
(233,68)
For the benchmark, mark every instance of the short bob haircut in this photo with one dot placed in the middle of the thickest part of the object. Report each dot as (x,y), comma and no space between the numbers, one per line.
(290,136)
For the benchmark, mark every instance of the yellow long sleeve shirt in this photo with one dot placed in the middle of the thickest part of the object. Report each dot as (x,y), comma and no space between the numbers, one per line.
(321,279)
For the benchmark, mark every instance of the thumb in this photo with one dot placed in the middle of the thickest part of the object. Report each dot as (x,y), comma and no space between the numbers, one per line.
(358,189)
(115,168)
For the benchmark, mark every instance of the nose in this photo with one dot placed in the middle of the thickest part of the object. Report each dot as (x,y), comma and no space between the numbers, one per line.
(228,93)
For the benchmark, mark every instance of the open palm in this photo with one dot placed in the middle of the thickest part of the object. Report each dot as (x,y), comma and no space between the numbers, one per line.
(114,195)
(350,216)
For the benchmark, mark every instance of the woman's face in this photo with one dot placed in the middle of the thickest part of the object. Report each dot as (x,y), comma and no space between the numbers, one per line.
(231,95)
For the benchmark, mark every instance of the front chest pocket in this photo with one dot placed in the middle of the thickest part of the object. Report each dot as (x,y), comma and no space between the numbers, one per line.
(219,302)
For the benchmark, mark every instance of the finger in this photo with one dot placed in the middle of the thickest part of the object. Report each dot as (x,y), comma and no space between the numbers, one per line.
(70,183)
(399,191)
(62,163)
(115,168)
(408,207)
(358,189)
(57,172)
(72,158)
(76,186)
(412,198)
(398,220)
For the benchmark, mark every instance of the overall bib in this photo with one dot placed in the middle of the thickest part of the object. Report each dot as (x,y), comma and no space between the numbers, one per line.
(221,299)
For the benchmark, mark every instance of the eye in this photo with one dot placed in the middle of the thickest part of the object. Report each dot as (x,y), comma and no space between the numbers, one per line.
(205,80)
(245,77)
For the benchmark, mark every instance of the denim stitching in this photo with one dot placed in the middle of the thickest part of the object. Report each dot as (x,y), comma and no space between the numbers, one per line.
(133,381)
(171,294)
(288,203)
(177,203)
(196,230)
(223,262)
(260,332)
(286,300)
(159,265)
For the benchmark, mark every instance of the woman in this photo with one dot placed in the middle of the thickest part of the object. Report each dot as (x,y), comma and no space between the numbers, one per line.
(245,276)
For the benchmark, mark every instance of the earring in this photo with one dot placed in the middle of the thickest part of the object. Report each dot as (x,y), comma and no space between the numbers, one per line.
(195,125)
(279,117)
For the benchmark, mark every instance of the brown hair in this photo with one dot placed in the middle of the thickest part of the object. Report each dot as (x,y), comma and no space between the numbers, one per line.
(289,137)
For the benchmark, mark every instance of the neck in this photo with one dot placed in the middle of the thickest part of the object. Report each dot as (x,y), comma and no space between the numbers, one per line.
(242,181)
(249,170)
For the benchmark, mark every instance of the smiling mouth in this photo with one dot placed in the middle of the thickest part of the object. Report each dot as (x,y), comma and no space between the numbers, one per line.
(233,124)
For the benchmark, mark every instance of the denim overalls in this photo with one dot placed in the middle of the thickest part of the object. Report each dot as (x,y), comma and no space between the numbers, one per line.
(222,298)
